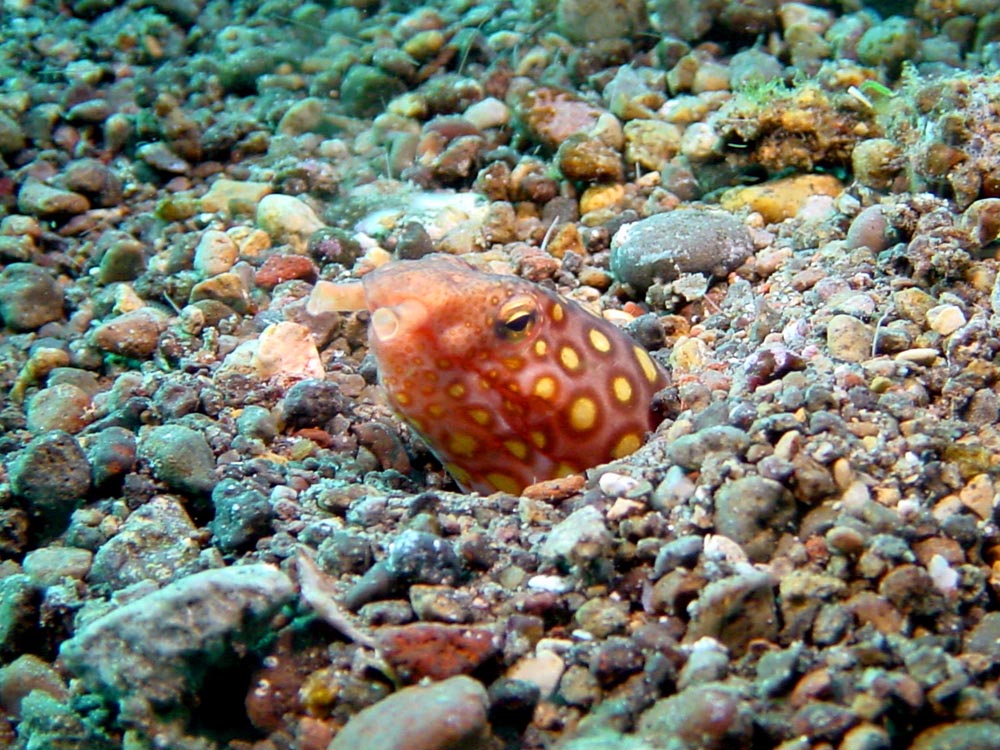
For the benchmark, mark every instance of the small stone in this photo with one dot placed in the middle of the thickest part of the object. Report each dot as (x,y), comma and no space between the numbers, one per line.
(25,674)
(689,451)
(52,476)
(48,566)
(434,650)
(155,652)
(959,735)
(754,512)
(584,159)
(180,457)
(984,637)
(550,115)
(133,334)
(651,143)
(447,714)
(593,20)
(707,717)
(11,134)
(242,515)
(305,116)
(280,268)
(46,202)
(95,179)
(29,297)
(735,610)
(224,195)
(287,219)
(945,319)
(849,339)
(783,198)
(228,288)
(215,253)
(156,543)
(913,304)
(580,540)
(669,245)
(366,90)
(123,260)
(287,350)
(162,157)
(112,454)
(60,407)
(602,616)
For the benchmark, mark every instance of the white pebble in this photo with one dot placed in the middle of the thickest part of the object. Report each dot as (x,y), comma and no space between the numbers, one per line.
(945,319)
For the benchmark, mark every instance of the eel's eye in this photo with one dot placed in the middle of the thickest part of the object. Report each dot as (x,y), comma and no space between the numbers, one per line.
(516,318)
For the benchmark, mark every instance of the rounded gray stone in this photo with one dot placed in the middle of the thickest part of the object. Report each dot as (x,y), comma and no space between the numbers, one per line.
(666,246)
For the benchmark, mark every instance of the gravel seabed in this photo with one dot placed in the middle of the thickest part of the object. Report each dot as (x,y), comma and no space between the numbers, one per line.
(214,533)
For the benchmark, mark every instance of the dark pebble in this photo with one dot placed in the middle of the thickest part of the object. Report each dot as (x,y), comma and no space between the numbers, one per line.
(52,476)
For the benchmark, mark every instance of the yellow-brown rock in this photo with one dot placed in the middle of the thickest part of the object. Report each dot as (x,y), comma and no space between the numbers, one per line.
(781,199)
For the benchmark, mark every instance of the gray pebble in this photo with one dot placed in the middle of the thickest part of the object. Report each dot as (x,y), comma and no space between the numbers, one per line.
(29,297)
(52,476)
(446,714)
(156,542)
(753,511)
(666,246)
(419,557)
(680,552)
(580,540)
(984,638)
(155,651)
(706,717)
(18,614)
(242,515)
(690,451)
(46,202)
(180,457)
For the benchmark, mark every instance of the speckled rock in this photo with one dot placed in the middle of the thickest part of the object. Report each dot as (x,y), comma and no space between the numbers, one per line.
(447,714)
(132,334)
(52,476)
(180,457)
(242,515)
(154,652)
(849,339)
(591,20)
(156,542)
(436,651)
(29,297)
(675,243)
(580,540)
(754,512)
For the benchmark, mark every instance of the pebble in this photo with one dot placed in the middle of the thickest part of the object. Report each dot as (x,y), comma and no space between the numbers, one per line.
(112,454)
(945,319)
(669,245)
(651,143)
(134,334)
(287,220)
(754,512)
(430,650)
(154,652)
(783,198)
(690,451)
(156,542)
(123,260)
(446,714)
(59,407)
(180,457)
(593,20)
(584,159)
(287,350)
(701,717)
(29,297)
(243,515)
(959,735)
(215,253)
(226,195)
(228,288)
(47,202)
(550,115)
(52,476)
(849,339)
(18,615)
(735,610)
(48,566)
(602,616)
(579,540)
(25,674)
